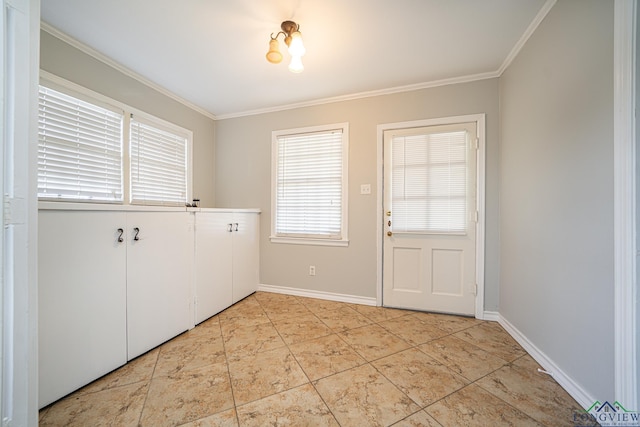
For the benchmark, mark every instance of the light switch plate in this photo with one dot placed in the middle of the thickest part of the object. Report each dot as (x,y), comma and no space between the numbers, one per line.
(365,189)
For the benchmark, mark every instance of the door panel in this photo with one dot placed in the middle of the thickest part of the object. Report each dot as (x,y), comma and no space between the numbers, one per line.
(447,272)
(407,269)
(82,331)
(214,261)
(430,213)
(159,272)
(246,256)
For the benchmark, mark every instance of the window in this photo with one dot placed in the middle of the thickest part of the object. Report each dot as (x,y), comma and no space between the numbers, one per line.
(309,178)
(429,179)
(158,164)
(79,149)
(85,154)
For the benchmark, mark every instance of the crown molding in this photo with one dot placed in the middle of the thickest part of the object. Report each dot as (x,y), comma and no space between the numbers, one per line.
(544,10)
(360,95)
(121,68)
(349,97)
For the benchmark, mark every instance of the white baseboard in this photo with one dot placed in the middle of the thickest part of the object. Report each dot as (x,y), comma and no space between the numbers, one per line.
(492,316)
(353,299)
(578,393)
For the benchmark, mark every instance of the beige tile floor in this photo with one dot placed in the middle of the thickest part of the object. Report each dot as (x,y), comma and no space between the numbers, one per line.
(283,360)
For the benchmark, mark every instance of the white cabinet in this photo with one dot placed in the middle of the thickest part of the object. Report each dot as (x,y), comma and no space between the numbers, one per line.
(226,260)
(246,255)
(82,299)
(159,278)
(213,260)
(104,301)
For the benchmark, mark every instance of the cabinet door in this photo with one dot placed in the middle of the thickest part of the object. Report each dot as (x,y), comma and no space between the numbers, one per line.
(159,272)
(213,265)
(246,259)
(82,299)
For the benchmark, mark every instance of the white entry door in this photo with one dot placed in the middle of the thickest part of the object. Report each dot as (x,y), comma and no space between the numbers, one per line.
(430,218)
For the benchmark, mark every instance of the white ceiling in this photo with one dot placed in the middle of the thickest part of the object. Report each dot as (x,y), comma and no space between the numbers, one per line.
(211,53)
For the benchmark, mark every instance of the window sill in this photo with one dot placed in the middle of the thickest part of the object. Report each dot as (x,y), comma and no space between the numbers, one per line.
(308,241)
(87,206)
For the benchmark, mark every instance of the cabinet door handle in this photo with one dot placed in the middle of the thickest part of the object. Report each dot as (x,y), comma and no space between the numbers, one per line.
(236,224)
(135,236)
(230,229)
(121,232)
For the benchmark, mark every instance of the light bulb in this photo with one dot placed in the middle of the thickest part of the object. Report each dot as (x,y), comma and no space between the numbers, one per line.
(274,56)
(295,66)
(296,47)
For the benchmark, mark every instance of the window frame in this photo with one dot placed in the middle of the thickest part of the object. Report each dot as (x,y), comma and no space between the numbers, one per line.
(59,84)
(83,97)
(163,125)
(343,240)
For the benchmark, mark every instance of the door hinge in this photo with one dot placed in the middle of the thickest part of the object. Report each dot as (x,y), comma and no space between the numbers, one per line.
(475,289)
(14,210)
(475,143)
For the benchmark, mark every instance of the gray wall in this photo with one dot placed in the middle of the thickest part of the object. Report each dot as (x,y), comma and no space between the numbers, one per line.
(65,61)
(556,102)
(243,179)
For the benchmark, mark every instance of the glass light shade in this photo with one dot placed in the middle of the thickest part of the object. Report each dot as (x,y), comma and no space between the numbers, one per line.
(296,47)
(295,66)
(274,56)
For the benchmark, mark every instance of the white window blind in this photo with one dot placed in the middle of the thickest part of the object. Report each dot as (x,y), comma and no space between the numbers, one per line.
(158,165)
(79,149)
(309,185)
(429,183)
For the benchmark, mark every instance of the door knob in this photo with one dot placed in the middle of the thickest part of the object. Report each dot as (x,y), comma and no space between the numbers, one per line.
(389,233)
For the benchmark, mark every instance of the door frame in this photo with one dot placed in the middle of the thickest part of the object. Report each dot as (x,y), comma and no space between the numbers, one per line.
(20,38)
(625,205)
(480,197)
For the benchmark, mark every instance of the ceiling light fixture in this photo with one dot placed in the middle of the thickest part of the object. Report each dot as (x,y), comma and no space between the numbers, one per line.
(293,40)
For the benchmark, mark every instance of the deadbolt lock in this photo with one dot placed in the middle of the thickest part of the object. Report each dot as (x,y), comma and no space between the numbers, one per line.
(388,213)
(389,233)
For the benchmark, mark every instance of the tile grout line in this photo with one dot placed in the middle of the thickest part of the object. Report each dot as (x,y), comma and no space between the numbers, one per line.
(146,397)
(290,352)
(226,360)
(498,397)
(369,362)
(338,334)
(315,310)
(416,346)
(475,382)
(305,373)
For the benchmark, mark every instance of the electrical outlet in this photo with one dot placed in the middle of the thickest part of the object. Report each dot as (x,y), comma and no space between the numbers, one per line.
(365,189)
(312,270)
